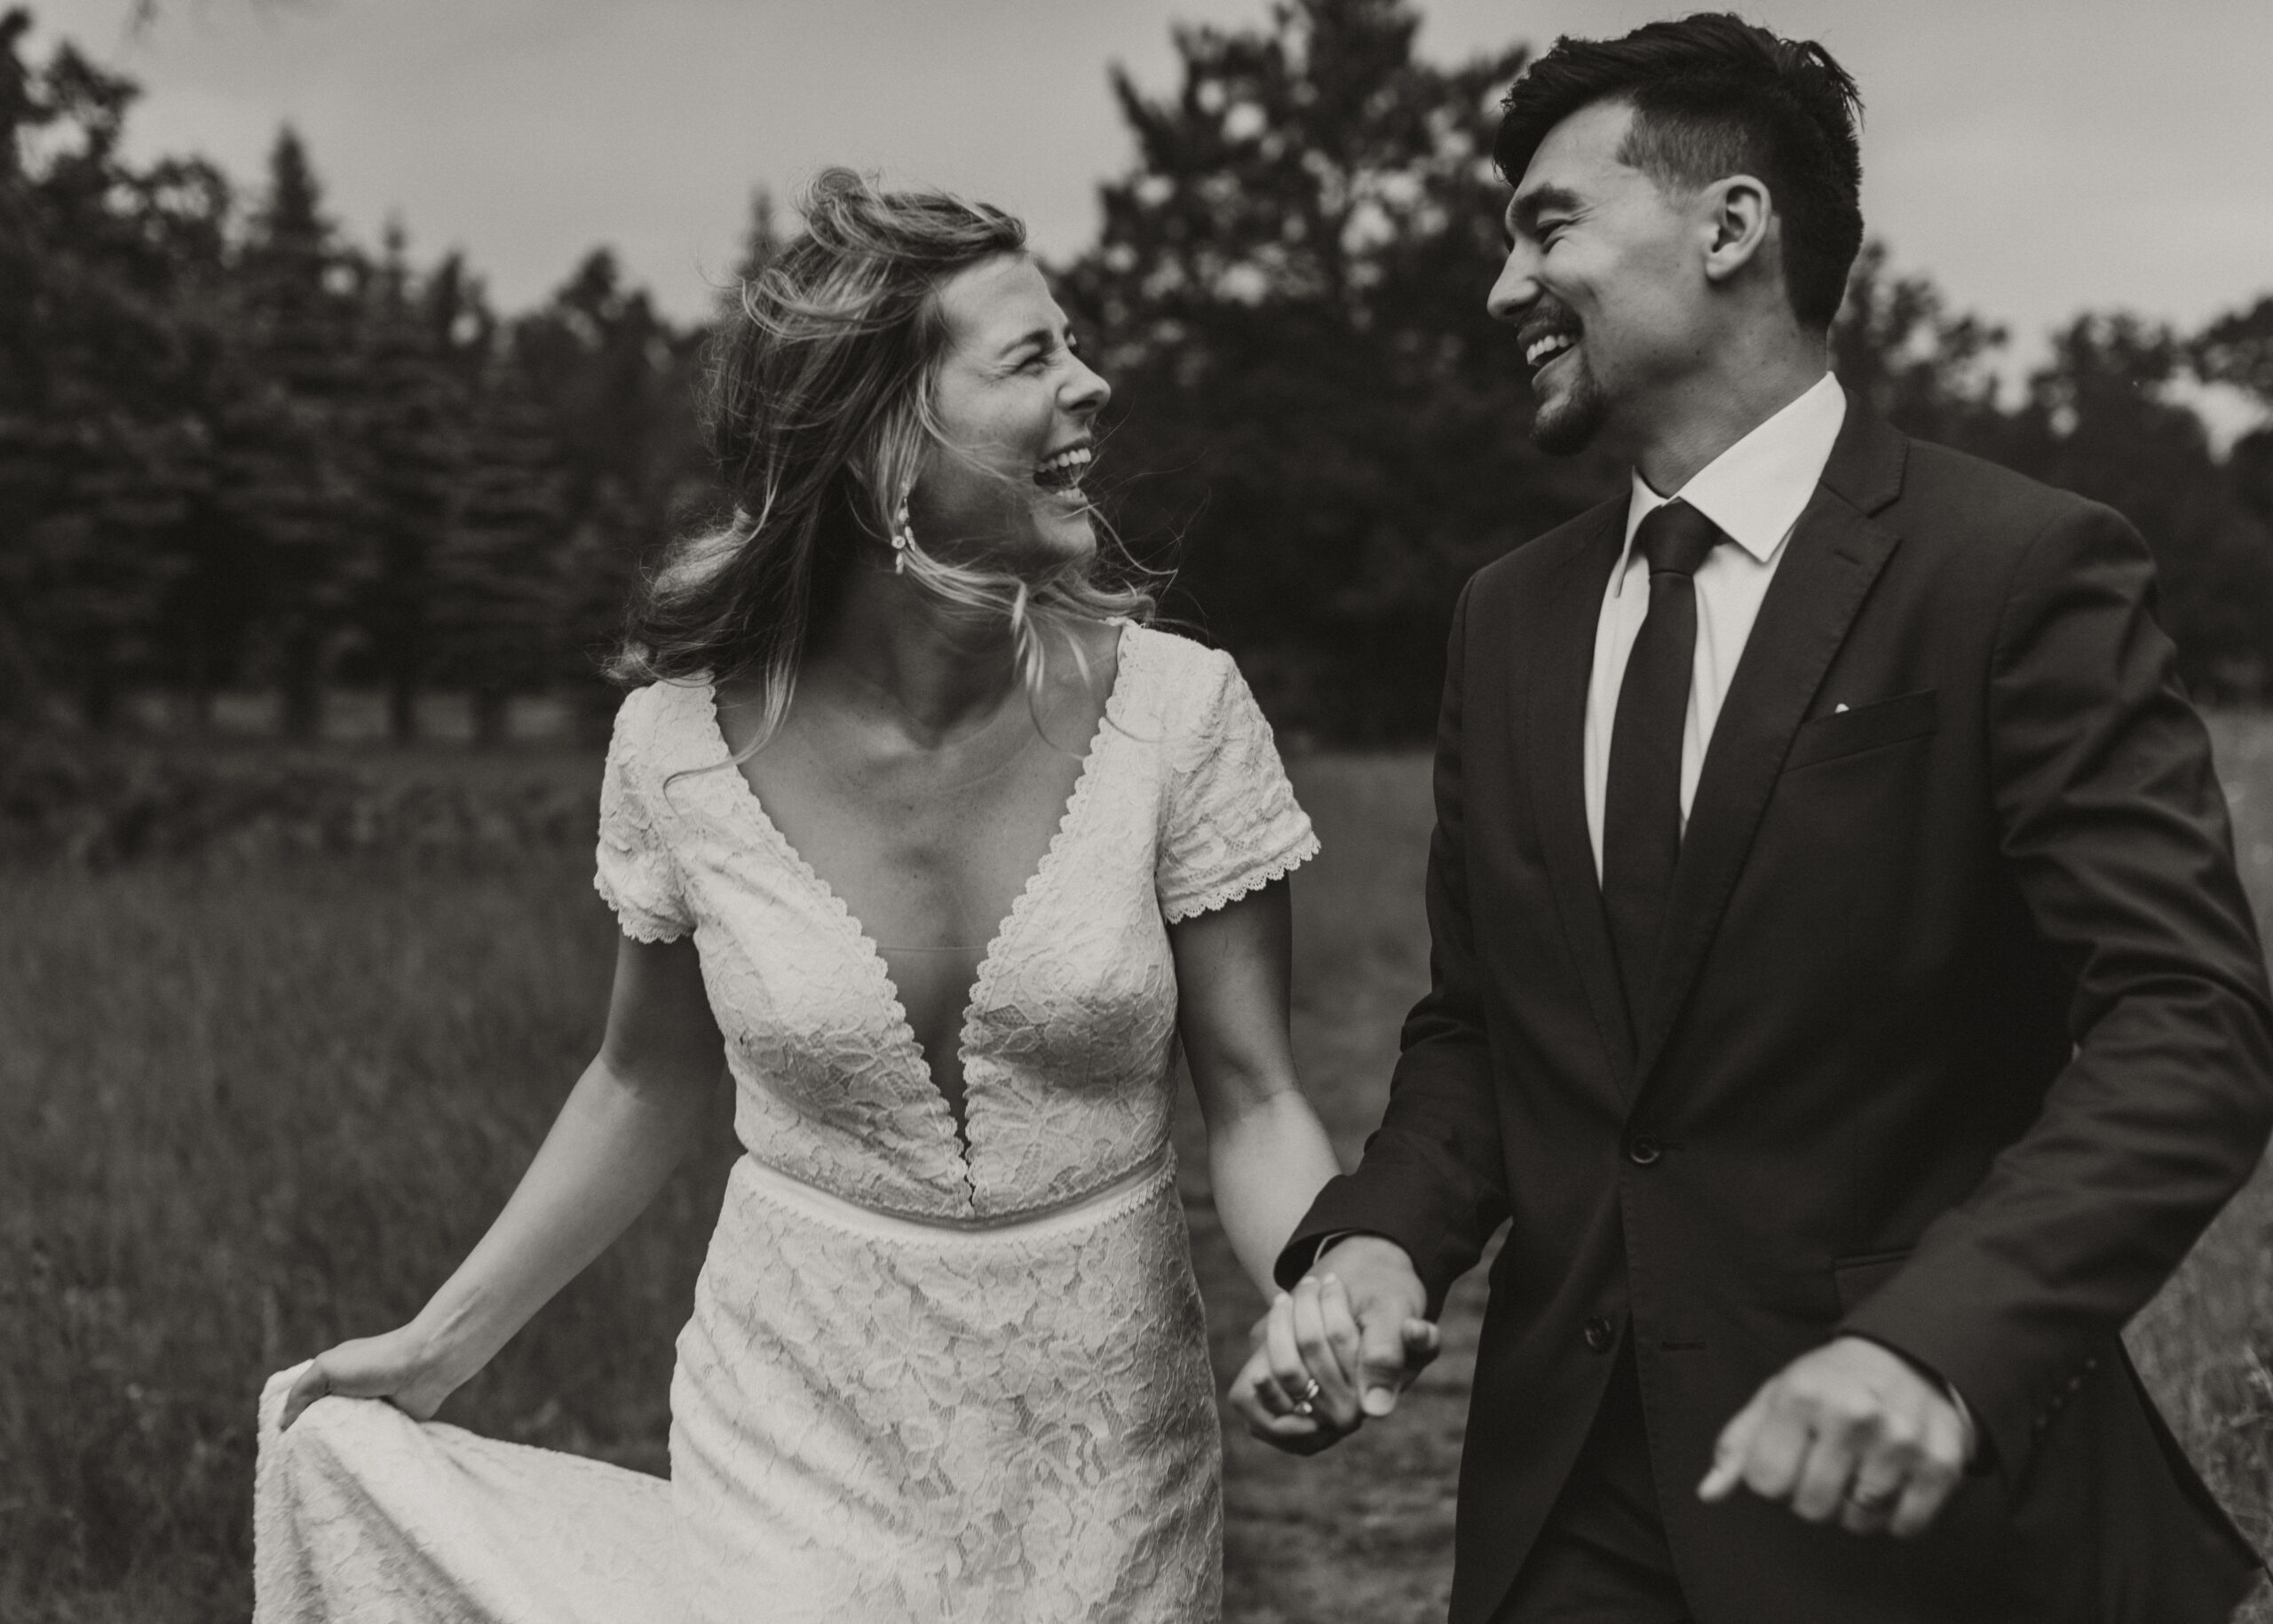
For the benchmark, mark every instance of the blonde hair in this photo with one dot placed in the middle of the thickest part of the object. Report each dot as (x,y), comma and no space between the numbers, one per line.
(818,412)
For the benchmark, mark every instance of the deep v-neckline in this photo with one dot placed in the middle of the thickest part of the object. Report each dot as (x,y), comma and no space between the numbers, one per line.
(915,1065)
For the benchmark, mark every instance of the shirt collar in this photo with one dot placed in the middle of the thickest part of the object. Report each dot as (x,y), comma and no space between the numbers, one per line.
(1754,490)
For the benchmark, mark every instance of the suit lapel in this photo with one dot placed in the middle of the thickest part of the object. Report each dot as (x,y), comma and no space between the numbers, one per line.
(1554,712)
(1834,554)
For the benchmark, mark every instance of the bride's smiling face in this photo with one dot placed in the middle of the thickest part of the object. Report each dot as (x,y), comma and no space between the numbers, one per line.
(1018,408)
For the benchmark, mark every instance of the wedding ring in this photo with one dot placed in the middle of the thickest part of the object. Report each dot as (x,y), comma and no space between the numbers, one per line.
(1307,1403)
(1874,1503)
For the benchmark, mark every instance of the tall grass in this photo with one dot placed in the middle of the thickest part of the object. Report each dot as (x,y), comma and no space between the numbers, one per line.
(243,1115)
(244,1112)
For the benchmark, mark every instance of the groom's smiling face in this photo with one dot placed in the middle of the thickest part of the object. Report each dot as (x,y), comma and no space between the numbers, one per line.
(1604,281)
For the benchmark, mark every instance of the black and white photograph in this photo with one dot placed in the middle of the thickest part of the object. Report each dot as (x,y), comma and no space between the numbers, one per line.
(1153,812)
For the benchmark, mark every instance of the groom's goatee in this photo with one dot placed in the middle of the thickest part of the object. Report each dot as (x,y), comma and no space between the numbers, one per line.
(1568,423)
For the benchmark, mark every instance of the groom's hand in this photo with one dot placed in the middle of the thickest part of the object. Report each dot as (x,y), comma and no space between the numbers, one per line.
(1337,1349)
(1851,1432)
(1395,1339)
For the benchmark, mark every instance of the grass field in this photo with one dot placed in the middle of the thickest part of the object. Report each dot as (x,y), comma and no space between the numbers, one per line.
(245,1111)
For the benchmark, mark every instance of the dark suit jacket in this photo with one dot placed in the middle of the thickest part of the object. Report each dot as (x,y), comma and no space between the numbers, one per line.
(1958,1036)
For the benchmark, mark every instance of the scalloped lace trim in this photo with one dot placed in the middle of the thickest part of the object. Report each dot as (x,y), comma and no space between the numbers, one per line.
(1254,880)
(1110,726)
(635,922)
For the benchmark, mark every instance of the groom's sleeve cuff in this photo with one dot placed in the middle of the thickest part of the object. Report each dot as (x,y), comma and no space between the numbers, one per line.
(1316,1249)
(1300,1256)
(1975,1456)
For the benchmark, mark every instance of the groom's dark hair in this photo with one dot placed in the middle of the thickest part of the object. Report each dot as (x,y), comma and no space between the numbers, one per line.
(1711,96)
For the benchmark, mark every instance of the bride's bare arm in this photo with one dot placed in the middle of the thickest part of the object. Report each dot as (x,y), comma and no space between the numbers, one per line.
(1267,1153)
(627,1123)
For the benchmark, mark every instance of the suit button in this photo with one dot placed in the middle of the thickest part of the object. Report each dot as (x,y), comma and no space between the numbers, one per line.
(1643,1151)
(1599,1333)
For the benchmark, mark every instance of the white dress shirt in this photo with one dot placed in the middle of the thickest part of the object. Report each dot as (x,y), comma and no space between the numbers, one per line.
(1754,492)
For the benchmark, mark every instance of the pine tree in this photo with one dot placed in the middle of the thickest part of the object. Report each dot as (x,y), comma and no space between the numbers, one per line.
(292,483)
(1288,297)
(1896,343)
(2100,420)
(615,383)
(412,420)
(762,242)
(504,567)
(101,442)
(2237,350)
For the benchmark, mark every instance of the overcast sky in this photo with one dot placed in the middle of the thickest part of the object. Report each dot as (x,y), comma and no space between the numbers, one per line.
(2037,158)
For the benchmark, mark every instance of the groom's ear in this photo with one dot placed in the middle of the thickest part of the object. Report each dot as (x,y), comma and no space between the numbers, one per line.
(1736,219)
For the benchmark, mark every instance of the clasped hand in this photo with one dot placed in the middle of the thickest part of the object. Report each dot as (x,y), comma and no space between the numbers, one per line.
(1338,1349)
(1851,1432)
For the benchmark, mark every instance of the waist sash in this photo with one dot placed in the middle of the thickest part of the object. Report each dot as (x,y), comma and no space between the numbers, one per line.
(1129,1190)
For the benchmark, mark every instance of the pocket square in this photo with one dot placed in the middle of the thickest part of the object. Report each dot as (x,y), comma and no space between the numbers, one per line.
(1847,729)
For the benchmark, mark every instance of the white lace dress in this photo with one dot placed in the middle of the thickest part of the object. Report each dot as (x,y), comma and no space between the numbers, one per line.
(920,1383)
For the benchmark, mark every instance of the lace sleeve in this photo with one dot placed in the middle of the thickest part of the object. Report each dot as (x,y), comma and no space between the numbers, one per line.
(1232,823)
(635,874)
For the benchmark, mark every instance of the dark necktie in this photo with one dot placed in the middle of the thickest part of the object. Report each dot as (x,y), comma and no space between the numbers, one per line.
(1641,820)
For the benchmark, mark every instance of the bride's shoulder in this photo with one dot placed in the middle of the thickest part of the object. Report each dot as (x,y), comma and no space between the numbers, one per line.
(1194,695)
(1175,666)
(655,721)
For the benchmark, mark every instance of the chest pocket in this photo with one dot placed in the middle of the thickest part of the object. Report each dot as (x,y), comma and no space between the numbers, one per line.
(1865,727)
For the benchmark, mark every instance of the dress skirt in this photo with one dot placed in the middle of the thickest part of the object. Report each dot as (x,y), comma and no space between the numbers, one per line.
(361,1514)
(873,1419)
(882,1418)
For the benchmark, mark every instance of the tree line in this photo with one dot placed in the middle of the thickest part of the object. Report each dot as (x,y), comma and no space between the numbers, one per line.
(237,449)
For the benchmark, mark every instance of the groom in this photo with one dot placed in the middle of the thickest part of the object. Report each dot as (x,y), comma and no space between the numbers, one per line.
(1840,975)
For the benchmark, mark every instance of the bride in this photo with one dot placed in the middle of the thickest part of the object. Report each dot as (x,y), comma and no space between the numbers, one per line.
(921,832)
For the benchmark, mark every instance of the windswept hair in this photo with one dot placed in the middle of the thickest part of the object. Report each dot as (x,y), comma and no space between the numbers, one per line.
(1715,96)
(818,410)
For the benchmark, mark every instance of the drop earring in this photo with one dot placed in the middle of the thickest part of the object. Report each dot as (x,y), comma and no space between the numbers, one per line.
(903,537)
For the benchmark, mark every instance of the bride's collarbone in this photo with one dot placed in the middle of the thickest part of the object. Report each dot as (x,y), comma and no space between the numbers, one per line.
(928,847)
